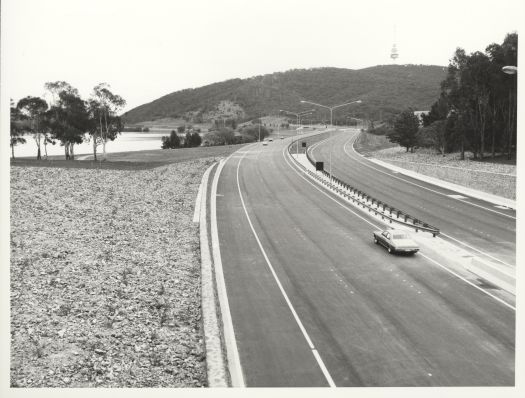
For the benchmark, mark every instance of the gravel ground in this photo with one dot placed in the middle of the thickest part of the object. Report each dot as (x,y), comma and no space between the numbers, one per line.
(105,277)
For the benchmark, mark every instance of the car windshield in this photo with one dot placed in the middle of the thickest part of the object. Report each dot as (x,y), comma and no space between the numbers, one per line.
(400,236)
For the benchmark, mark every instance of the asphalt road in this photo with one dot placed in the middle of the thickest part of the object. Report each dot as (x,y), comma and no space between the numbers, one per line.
(315,303)
(476,225)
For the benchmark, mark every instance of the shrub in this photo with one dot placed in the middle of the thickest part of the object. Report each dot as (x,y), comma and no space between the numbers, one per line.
(171,142)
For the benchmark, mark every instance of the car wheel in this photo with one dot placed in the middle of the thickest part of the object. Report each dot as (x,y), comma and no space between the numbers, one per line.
(389,249)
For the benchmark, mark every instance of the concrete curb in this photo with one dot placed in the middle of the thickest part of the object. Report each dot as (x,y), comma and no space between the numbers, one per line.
(216,368)
(230,343)
(497,200)
(494,274)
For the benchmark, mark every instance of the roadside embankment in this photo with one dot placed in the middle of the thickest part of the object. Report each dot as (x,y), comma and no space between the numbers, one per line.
(105,277)
(495,178)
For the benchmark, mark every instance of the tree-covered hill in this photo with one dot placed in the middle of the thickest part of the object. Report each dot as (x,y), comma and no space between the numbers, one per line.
(384,90)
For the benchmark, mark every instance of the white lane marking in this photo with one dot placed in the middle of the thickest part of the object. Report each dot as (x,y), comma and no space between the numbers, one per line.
(232,351)
(470,283)
(502,207)
(312,148)
(378,227)
(417,185)
(281,288)
(477,250)
(458,197)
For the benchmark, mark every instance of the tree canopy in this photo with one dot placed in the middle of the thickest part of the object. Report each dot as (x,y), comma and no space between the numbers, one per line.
(405,131)
(478,101)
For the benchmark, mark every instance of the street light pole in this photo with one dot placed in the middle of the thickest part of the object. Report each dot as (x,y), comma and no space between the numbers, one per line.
(331,108)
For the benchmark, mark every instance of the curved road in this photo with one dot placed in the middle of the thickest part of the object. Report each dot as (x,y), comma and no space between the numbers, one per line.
(476,225)
(315,303)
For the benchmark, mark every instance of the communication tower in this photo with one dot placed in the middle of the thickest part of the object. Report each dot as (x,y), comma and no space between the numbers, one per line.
(394,54)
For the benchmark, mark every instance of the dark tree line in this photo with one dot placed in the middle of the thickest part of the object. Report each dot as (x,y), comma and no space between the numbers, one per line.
(476,110)
(67,118)
(173,141)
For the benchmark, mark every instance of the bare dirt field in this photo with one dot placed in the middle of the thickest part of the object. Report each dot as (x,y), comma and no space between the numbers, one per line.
(105,277)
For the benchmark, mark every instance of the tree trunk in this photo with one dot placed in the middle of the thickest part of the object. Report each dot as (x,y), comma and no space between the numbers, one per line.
(45,148)
(66,150)
(71,152)
(106,137)
(493,138)
(95,146)
(37,140)
(12,151)
(481,127)
(462,148)
(509,126)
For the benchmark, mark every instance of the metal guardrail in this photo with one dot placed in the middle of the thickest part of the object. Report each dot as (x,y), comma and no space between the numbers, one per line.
(362,199)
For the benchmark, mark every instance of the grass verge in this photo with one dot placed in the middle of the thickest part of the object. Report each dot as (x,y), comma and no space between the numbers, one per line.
(496,177)
(138,160)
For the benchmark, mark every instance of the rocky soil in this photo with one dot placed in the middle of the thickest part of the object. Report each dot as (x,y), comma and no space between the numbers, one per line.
(105,277)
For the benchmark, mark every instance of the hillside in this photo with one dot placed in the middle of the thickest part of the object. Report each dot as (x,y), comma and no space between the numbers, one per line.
(384,90)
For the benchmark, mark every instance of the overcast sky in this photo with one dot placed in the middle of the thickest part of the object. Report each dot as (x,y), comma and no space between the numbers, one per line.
(146,49)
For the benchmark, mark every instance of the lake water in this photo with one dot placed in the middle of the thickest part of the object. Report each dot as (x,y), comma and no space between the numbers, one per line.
(125,142)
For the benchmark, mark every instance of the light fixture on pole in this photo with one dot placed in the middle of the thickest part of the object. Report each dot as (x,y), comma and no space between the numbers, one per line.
(331,108)
(510,70)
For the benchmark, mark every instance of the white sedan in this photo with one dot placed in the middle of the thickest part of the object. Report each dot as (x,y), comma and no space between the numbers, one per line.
(396,241)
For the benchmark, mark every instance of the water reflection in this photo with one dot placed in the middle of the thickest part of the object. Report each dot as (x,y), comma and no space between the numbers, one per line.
(125,142)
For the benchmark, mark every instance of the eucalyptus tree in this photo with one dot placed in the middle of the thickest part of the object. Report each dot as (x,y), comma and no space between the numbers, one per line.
(510,51)
(34,110)
(70,121)
(16,127)
(53,90)
(110,124)
(95,126)
(454,92)
(476,82)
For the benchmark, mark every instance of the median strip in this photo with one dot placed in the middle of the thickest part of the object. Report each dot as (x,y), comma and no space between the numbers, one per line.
(359,198)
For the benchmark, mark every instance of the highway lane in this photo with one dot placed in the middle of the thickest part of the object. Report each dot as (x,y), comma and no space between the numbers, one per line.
(373,319)
(472,222)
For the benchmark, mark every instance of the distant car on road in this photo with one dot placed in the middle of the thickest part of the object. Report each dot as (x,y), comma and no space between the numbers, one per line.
(265,143)
(282,138)
(270,139)
(396,241)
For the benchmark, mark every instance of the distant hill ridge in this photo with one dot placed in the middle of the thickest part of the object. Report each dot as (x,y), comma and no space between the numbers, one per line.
(384,90)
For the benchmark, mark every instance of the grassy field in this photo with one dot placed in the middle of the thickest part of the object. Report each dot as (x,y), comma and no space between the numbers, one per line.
(138,160)
(367,143)
(169,123)
(105,277)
